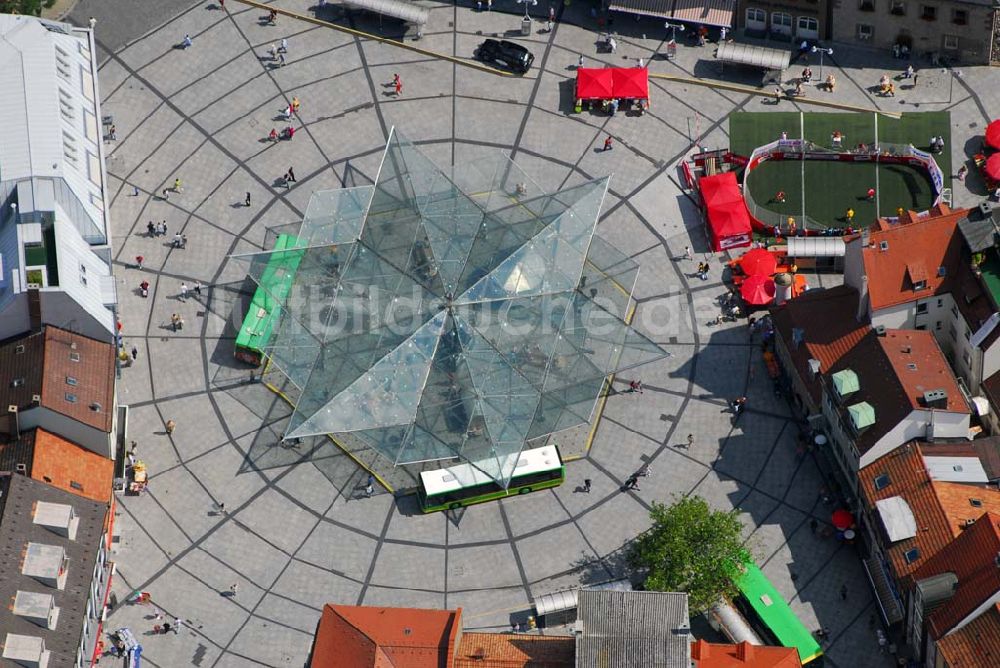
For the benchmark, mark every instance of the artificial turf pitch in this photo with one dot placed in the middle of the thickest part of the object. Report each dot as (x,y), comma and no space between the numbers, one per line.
(830,188)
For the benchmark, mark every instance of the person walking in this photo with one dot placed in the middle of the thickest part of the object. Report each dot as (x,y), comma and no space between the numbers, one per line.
(273,52)
(197,288)
(178,623)
(843,592)
(186,42)
(813,525)
(291,175)
(184,291)
(247,202)
(170,426)
(284,45)
(398,86)
(871,194)
(163,228)
(587,482)
(632,482)
(370,486)
(607,143)
(850,215)
(635,386)
(233,588)
(579,63)
(690,441)
(135,353)
(688,253)
(177,186)
(150,229)
(138,261)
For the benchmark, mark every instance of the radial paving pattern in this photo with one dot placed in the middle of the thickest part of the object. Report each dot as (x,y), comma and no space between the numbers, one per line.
(296,532)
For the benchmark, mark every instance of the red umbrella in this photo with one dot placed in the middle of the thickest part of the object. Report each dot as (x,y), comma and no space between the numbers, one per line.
(757,290)
(993,134)
(842,519)
(992,168)
(758,261)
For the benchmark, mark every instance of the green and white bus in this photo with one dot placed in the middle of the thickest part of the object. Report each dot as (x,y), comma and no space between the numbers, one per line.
(765,609)
(465,485)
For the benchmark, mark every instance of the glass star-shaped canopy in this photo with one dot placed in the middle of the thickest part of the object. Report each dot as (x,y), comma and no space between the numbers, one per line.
(448,313)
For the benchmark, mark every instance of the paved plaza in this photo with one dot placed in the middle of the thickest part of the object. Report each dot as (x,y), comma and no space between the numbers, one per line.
(294,532)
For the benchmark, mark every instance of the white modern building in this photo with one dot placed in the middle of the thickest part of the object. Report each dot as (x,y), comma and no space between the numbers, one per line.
(55,257)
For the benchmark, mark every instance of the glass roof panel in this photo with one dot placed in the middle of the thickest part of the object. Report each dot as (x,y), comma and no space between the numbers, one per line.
(443,313)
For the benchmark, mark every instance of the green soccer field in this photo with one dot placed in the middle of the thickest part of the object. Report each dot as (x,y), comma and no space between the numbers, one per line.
(830,188)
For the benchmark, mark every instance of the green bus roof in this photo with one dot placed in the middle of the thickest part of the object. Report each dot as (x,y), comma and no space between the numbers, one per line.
(772,609)
(274,285)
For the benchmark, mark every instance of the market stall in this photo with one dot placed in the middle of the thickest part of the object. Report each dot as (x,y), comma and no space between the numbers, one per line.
(992,135)
(725,211)
(612,88)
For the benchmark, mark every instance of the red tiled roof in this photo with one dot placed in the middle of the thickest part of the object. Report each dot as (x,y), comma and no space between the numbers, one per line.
(889,383)
(971,558)
(908,479)
(827,319)
(920,365)
(975,645)
(743,655)
(363,636)
(72,468)
(92,364)
(503,650)
(921,243)
(42,362)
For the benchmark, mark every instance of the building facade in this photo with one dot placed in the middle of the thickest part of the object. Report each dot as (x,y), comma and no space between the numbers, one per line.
(960,31)
(54,227)
(785,20)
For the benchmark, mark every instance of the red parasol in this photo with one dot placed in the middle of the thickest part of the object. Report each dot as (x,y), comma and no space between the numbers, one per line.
(757,290)
(992,168)
(842,519)
(758,261)
(993,134)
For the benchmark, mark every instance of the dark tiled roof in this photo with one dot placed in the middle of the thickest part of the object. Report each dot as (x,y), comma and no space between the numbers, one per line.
(17,529)
(618,627)
(827,320)
(14,451)
(889,383)
(971,558)
(21,362)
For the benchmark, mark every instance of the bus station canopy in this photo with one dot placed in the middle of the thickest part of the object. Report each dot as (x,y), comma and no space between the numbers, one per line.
(397,9)
(443,313)
(755,56)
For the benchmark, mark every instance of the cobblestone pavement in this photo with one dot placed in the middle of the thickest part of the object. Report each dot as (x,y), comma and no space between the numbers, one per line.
(295,536)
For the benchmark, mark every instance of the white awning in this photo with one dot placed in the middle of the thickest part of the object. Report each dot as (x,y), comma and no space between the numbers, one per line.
(956,469)
(981,406)
(897,518)
(405,11)
(816,247)
(756,56)
(717,13)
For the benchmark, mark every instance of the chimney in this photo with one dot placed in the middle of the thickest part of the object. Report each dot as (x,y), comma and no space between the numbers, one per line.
(745,652)
(34,310)
(936,399)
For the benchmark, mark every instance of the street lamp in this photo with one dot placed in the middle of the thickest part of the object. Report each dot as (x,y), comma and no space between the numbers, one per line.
(821,51)
(673,27)
(955,74)
(526,3)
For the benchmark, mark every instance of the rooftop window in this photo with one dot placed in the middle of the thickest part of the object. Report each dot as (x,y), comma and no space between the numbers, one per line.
(911,555)
(882,481)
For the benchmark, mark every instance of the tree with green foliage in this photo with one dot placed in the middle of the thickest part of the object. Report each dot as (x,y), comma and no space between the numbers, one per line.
(28,7)
(694,549)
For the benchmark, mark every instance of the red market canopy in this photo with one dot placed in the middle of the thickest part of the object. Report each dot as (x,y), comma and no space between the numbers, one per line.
(631,82)
(593,83)
(993,134)
(992,168)
(728,219)
(758,290)
(758,261)
(842,519)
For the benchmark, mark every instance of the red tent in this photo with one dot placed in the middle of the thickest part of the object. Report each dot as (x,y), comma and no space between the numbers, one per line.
(594,83)
(758,290)
(728,219)
(842,519)
(631,82)
(992,168)
(993,134)
(758,261)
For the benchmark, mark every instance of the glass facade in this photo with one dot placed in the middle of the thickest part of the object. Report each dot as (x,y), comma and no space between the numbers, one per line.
(451,313)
